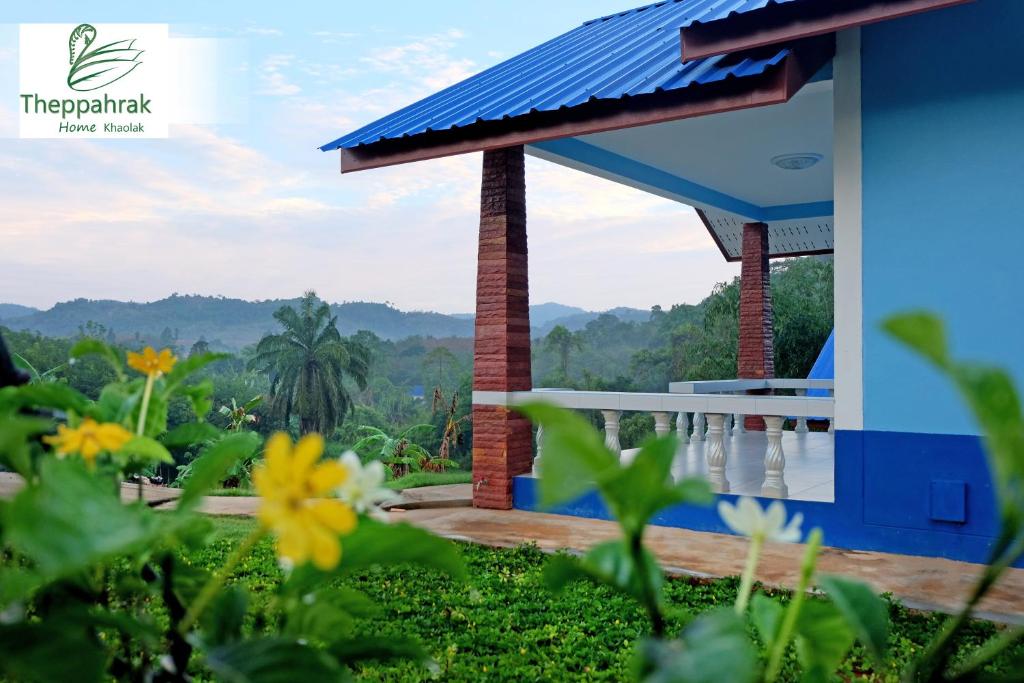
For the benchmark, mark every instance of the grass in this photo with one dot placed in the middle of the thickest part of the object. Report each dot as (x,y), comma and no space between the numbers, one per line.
(409,481)
(503,624)
(416,479)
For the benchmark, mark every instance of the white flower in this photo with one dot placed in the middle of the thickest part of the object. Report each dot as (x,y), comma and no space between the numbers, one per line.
(748,519)
(363,488)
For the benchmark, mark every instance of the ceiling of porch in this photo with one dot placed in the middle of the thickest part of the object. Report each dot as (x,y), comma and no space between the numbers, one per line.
(721,164)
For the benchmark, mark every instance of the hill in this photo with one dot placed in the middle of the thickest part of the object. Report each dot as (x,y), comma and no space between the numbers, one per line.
(234,323)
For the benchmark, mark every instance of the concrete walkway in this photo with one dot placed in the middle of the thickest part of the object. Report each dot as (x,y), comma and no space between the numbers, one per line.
(919,582)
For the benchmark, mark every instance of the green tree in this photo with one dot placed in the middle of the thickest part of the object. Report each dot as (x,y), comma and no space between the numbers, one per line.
(309,364)
(563,342)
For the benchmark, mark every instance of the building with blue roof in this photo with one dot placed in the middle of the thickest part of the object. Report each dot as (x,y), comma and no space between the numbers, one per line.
(885,134)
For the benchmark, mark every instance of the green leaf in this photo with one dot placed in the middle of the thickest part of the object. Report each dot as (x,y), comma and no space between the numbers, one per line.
(16,584)
(610,564)
(713,648)
(638,491)
(201,397)
(316,617)
(377,648)
(49,651)
(222,620)
(190,434)
(863,610)
(94,347)
(73,520)
(922,332)
(822,639)
(146,450)
(574,453)
(209,469)
(53,395)
(183,368)
(271,660)
(374,544)
(766,614)
(15,435)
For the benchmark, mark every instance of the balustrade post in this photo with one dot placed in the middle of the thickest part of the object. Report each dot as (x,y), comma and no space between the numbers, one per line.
(698,427)
(801,422)
(774,460)
(662,424)
(540,450)
(715,453)
(728,424)
(611,430)
(683,428)
(737,420)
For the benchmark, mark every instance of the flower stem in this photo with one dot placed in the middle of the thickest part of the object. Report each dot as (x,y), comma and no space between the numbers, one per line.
(140,426)
(216,581)
(747,581)
(785,632)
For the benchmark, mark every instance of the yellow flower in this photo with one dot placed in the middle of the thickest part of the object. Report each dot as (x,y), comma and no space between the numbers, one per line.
(149,362)
(89,438)
(289,481)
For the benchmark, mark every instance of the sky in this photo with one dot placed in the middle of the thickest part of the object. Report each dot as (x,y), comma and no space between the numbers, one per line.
(252,209)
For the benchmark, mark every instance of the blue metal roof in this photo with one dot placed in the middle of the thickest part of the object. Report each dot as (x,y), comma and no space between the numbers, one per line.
(623,55)
(724,9)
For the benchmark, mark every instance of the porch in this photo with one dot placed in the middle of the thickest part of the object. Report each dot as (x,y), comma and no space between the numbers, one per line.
(711,421)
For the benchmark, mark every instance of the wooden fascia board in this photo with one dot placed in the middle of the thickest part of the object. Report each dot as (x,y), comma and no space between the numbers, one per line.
(794,21)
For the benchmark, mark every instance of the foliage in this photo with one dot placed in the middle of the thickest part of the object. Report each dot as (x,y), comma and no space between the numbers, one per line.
(502,625)
(401,453)
(563,343)
(716,645)
(93,589)
(308,365)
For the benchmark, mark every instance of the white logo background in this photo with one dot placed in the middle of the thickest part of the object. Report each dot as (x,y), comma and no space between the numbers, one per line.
(43,66)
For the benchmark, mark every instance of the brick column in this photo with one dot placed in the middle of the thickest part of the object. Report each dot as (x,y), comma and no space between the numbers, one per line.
(502,440)
(756,358)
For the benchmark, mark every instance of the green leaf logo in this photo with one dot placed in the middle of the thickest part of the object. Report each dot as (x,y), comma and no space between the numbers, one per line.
(93,68)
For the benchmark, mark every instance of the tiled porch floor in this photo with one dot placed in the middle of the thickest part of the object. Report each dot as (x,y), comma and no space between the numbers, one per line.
(810,463)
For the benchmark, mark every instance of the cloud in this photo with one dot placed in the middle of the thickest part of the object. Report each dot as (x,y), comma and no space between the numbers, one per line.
(272,78)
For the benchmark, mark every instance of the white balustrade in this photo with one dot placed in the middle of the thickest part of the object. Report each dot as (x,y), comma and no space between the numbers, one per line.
(715,453)
(682,427)
(713,415)
(611,430)
(540,450)
(698,427)
(801,422)
(774,460)
(662,424)
(740,422)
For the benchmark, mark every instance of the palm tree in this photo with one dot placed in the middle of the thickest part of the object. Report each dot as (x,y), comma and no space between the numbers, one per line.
(308,365)
(563,342)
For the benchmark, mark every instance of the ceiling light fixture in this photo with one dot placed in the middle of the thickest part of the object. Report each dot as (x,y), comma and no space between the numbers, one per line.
(796,162)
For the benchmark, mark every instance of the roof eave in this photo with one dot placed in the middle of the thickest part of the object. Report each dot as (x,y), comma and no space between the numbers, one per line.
(780,23)
(774,86)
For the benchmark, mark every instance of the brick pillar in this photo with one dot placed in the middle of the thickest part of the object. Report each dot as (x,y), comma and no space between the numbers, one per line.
(502,440)
(756,344)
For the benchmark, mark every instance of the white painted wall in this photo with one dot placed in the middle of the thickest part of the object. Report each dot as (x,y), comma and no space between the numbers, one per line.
(849,284)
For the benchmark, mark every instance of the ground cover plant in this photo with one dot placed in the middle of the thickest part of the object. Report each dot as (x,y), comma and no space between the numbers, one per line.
(503,624)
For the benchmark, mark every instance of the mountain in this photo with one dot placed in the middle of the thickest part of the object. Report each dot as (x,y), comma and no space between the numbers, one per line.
(234,323)
(15,311)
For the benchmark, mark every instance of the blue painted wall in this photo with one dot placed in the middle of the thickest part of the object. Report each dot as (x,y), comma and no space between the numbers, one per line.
(943,201)
(915,494)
